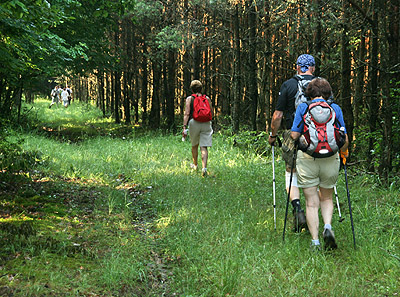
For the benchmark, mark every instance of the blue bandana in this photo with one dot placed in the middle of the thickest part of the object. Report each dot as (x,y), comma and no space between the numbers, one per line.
(304,61)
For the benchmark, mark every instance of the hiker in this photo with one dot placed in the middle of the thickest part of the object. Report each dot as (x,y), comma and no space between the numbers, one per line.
(64,97)
(54,96)
(285,108)
(318,175)
(69,95)
(200,129)
(59,91)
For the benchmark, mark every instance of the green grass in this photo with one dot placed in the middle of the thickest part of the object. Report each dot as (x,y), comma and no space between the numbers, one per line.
(121,214)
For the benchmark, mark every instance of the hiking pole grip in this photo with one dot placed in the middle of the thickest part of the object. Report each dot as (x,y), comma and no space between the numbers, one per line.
(290,186)
(349,202)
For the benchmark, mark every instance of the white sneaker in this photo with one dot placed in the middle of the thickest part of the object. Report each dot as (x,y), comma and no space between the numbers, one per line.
(192,166)
(204,172)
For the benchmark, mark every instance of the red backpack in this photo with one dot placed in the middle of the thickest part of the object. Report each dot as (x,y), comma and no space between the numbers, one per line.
(201,108)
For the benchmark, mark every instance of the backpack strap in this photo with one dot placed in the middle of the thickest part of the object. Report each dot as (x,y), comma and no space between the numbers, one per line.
(298,77)
(194,96)
(308,102)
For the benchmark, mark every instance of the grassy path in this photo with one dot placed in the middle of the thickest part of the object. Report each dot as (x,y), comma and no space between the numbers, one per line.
(121,214)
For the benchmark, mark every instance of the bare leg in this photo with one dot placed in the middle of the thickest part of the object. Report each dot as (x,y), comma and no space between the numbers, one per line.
(326,204)
(204,156)
(294,191)
(195,153)
(312,207)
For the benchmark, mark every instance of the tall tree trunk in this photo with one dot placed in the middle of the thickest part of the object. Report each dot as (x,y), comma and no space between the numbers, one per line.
(155,103)
(117,92)
(265,98)
(358,101)
(100,80)
(196,48)
(186,61)
(373,75)
(127,76)
(345,85)
(117,82)
(253,65)
(171,91)
(137,96)
(389,81)
(144,85)
(318,38)
(236,73)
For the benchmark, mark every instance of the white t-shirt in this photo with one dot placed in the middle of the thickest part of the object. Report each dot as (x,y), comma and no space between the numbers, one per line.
(64,95)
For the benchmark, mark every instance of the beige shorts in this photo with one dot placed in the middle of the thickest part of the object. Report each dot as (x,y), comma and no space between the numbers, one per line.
(321,172)
(200,133)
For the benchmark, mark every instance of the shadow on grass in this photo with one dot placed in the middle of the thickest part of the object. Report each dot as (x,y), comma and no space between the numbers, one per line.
(70,221)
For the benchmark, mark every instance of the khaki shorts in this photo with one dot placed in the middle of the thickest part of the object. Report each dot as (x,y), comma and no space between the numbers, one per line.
(288,149)
(317,171)
(200,133)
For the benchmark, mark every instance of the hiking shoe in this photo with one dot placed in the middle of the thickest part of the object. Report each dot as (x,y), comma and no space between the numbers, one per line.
(299,221)
(204,172)
(329,239)
(192,166)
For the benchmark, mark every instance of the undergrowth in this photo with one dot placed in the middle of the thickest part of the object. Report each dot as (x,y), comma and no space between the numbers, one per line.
(119,213)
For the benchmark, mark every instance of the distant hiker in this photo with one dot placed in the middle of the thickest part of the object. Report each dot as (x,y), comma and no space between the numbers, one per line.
(64,97)
(69,95)
(317,175)
(54,96)
(285,107)
(198,115)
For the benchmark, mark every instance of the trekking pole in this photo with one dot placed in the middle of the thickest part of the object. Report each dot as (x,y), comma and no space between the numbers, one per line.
(348,200)
(273,183)
(273,177)
(338,206)
(290,185)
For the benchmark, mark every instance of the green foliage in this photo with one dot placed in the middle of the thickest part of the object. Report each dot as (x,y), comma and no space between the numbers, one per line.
(395,105)
(12,156)
(169,38)
(254,141)
(379,149)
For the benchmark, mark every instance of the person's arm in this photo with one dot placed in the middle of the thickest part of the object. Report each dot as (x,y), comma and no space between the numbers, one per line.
(277,117)
(340,119)
(275,124)
(187,112)
(212,110)
(298,124)
(345,145)
(295,135)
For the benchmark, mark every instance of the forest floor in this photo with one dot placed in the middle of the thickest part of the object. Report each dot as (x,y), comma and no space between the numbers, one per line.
(97,209)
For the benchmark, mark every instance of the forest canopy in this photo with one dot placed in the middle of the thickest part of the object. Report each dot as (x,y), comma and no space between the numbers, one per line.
(135,61)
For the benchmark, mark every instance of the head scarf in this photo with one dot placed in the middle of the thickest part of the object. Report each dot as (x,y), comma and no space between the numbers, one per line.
(305,61)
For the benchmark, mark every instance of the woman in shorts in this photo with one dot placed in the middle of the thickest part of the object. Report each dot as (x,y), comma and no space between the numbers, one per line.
(318,176)
(200,132)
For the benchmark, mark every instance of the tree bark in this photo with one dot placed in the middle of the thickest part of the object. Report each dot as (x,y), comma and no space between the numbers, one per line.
(253,90)
(236,72)
(345,78)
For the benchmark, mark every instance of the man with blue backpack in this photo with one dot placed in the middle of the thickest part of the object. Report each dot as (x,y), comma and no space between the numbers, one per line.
(291,94)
